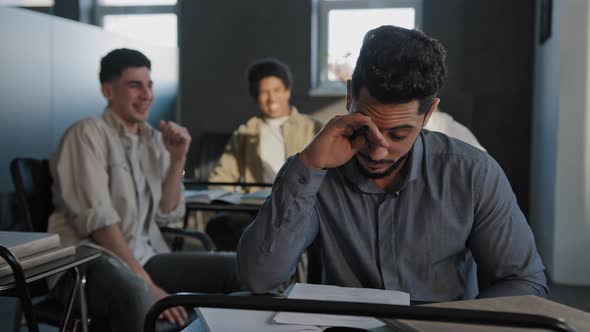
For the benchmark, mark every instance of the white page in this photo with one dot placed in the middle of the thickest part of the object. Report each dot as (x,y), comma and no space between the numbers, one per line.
(234,320)
(343,294)
(203,196)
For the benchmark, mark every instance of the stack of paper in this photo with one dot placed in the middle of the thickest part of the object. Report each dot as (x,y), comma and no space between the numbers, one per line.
(343,294)
(32,249)
(231,320)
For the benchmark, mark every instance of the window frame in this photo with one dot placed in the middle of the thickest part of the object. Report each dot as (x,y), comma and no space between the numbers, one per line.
(320,85)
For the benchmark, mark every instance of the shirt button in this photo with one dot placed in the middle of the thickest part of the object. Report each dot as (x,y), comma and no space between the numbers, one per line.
(302,180)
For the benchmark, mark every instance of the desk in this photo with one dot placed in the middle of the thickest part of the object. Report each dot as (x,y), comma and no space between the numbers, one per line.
(16,285)
(518,304)
(192,206)
(216,207)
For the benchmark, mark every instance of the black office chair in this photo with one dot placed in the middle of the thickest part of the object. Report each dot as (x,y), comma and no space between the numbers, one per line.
(32,182)
(207,149)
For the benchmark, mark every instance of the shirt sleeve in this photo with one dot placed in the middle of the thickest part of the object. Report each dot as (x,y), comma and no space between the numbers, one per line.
(81,173)
(163,219)
(501,240)
(285,226)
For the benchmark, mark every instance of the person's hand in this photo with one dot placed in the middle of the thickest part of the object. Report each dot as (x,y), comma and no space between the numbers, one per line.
(176,139)
(174,315)
(339,140)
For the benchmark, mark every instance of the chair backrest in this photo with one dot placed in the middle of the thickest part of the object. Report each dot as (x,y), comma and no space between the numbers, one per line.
(209,148)
(32,183)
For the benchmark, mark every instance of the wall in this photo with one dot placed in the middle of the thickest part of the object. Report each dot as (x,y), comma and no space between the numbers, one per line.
(49,74)
(489,58)
(544,137)
(572,222)
(48,80)
(560,187)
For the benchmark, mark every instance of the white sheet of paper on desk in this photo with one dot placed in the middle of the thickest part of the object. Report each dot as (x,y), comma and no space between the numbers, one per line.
(233,320)
(343,294)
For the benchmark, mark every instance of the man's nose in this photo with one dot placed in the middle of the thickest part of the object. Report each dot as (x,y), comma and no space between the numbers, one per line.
(376,151)
(146,93)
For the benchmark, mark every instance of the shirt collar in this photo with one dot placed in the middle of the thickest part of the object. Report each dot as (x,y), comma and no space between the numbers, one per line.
(144,129)
(353,174)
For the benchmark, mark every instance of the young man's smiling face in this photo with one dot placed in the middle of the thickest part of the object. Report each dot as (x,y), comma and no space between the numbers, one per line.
(273,97)
(400,124)
(130,96)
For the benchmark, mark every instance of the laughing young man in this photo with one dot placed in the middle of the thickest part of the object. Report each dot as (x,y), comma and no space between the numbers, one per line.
(115,178)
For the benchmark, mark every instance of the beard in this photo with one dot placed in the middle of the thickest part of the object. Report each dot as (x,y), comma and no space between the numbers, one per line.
(394,165)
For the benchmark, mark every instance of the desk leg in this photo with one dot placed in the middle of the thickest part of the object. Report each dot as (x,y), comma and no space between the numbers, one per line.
(83,307)
(68,313)
(22,290)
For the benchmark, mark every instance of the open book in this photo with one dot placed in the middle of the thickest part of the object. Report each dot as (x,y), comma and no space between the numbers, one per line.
(211,196)
(233,320)
(336,293)
(255,198)
(224,197)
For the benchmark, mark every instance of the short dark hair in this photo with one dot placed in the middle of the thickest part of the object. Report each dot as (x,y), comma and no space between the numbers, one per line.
(264,68)
(113,64)
(398,65)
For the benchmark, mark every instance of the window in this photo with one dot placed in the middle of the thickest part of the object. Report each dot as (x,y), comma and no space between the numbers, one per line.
(27,3)
(338,30)
(136,2)
(152,21)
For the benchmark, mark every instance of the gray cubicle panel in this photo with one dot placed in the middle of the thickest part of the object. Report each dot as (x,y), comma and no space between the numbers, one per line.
(49,79)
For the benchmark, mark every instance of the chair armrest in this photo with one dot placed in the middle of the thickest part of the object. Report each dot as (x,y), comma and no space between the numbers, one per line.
(185,233)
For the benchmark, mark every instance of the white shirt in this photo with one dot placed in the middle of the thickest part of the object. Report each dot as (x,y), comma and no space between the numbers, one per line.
(272,147)
(142,251)
(444,123)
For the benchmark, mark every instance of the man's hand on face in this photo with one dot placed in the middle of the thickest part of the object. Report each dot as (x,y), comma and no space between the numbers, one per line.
(339,140)
(176,139)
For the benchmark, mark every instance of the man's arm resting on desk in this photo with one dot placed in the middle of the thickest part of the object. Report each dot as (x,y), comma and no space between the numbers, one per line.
(514,288)
(112,239)
(271,246)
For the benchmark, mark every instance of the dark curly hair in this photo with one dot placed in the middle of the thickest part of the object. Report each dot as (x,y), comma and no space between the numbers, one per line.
(264,68)
(398,65)
(113,64)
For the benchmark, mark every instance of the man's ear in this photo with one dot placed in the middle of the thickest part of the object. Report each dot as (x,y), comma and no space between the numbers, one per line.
(348,94)
(107,90)
(430,111)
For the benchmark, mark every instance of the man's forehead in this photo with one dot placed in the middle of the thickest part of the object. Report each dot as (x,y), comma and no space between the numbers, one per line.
(387,114)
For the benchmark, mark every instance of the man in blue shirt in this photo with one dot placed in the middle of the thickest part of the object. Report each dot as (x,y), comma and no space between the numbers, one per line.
(391,205)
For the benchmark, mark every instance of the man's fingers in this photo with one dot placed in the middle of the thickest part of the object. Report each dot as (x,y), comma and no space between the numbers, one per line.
(183,313)
(168,316)
(177,314)
(362,125)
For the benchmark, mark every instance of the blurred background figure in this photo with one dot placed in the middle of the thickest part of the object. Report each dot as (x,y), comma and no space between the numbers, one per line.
(439,121)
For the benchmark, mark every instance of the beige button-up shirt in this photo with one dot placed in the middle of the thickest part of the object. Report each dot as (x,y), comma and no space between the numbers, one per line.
(241,159)
(94,185)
